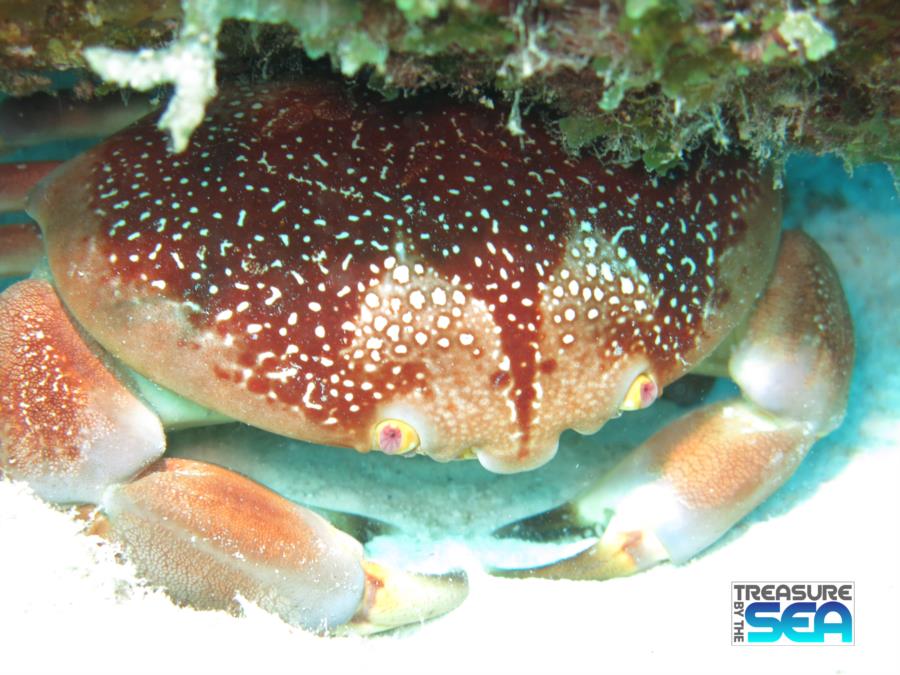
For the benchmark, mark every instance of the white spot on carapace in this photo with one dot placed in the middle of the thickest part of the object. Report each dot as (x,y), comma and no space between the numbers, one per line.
(417,299)
(401,274)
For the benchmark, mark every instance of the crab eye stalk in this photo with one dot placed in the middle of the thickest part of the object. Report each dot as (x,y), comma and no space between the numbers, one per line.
(394,437)
(642,392)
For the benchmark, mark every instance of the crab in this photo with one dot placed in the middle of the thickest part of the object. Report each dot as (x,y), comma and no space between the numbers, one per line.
(405,277)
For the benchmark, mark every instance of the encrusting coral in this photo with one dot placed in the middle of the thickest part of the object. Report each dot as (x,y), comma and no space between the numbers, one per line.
(646,79)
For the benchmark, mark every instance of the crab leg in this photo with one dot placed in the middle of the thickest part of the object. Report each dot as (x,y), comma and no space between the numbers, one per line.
(688,484)
(21,245)
(206,534)
(45,118)
(16,181)
(21,248)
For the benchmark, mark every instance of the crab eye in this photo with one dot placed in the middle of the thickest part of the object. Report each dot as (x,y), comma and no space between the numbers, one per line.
(642,392)
(394,437)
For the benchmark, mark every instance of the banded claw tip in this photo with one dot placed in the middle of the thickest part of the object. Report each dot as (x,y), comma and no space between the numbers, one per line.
(394,598)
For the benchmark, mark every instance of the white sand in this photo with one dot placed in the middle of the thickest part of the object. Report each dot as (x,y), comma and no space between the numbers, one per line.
(66,606)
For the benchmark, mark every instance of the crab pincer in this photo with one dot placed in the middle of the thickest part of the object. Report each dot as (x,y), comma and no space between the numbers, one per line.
(692,481)
(67,425)
(207,534)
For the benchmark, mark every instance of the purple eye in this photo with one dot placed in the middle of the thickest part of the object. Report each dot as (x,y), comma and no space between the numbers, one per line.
(642,392)
(395,437)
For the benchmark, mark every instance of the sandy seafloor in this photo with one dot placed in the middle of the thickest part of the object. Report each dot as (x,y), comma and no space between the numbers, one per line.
(67,607)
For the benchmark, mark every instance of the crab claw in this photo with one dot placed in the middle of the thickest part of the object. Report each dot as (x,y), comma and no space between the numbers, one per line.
(689,483)
(67,426)
(396,598)
(207,534)
(680,491)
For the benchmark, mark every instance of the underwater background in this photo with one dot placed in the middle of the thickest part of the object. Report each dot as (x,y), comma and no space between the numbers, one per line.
(642,80)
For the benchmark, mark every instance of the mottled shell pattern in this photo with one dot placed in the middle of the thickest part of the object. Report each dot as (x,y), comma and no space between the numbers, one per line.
(320,260)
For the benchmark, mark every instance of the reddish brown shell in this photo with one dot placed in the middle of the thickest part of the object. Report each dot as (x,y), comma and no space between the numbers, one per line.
(319,259)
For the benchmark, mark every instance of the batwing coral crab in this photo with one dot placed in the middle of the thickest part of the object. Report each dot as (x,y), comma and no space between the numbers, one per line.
(409,278)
